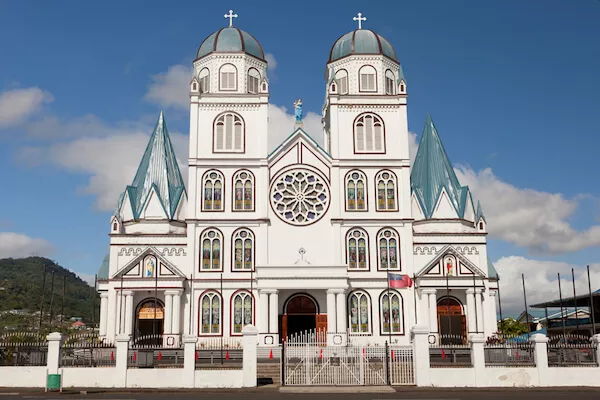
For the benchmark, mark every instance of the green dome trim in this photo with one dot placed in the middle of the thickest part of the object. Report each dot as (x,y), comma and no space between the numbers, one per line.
(230,40)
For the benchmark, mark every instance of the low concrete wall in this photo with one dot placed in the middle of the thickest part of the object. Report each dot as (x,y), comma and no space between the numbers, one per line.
(107,377)
(219,378)
(157,378)
(25,377)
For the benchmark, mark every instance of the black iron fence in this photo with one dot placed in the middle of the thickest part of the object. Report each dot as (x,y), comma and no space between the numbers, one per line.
(509,351)
(87,350)
(450,351)
(572,351)
(155,351)
(23,349)
(219,353)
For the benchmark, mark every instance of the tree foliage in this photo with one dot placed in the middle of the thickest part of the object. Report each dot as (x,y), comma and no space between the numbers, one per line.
(510,326)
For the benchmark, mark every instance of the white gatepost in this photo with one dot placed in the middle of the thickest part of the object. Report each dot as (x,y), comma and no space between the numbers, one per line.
(250,343)
(420,334)
(541,358)
(53,361)
(478,358)
(189,361)
(596,339)
(122,341)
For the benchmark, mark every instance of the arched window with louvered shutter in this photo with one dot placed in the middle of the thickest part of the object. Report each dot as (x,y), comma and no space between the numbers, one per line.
(229,133)
(369,134)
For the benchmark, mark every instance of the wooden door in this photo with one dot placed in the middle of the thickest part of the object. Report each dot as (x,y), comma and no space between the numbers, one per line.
(283,327)
(321,325)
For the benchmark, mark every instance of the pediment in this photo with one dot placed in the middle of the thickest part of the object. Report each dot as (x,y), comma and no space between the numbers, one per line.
(450,262)
(150,264)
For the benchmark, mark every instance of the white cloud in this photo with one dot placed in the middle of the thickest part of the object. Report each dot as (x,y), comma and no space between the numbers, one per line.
(171,88)
(19,104)
(413,146)
(282,124)
(271,62)
(526,217)
(541,281)
(17,245)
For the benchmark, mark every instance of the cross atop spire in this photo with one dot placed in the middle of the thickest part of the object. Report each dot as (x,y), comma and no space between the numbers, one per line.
(231,16)
(360,19)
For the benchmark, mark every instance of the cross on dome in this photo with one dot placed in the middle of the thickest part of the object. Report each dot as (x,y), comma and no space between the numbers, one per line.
(360,19)
(231,16)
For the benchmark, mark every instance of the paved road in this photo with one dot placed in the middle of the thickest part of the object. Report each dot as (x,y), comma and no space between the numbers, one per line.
(268,393)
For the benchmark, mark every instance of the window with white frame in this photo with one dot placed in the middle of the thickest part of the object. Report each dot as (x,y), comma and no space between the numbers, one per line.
(391,308)
(243,250)
(228,77)
(356,191)
(211,255)
(390,82)
(212,183)
(342,78)
(243,192)
(228,133)
(359,308)
(357,249)
(210,309)
(386,191)
(242,306)
(204,79)
(253,80)
(387,243)
(369,134)
(367,79)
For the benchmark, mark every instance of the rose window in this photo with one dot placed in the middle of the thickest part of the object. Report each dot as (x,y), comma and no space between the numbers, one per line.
(299,197)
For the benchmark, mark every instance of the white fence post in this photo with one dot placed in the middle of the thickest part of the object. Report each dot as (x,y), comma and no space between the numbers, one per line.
(478,357)
(53,361)
(541,358)
(596,339)
(122,341)
(250,333)
(420,334)
(189,360)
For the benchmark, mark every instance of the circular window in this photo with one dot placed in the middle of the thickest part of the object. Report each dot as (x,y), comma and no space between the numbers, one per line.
(299,197)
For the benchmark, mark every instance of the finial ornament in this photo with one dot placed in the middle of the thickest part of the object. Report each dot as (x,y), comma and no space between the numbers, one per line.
(360,19)
(298,112)
(231,16)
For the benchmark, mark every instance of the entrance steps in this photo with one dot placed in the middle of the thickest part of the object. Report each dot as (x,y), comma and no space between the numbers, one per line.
(269,373)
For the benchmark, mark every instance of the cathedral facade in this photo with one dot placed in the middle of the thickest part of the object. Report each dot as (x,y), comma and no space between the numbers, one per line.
(345,238)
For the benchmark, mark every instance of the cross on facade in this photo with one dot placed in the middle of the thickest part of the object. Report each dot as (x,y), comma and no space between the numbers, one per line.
(360,19)
(231,16)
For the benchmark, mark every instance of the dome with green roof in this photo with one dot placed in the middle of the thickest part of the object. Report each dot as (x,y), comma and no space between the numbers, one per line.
(231,40)
(361,41)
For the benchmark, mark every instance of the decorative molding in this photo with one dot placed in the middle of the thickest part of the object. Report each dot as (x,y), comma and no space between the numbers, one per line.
(370,107)
(130,251)
(173,251)
(229,107)
(425,250)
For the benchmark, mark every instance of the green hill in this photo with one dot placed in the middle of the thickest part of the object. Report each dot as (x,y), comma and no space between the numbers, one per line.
(21,282)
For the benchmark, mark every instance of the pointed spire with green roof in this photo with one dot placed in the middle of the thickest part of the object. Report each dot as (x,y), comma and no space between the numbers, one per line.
(158,170)
(432,172)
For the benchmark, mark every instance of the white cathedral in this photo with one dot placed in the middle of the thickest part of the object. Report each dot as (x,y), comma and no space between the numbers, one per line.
(303,237)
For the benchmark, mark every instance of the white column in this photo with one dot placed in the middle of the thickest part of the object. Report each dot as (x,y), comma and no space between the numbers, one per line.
(119,327)
(471,310)
(263,311)
(274,311)
(176,324)
(421,355)
(168,327)
(492,318)
(331,312)
(128,317)
(431,301)
(53,357)
(479,305)
(103,313)
(249,362)
(341,311)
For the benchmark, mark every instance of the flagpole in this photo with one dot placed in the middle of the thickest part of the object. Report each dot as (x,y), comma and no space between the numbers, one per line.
(562,315)
(62,306)
(191,302)
(415,298)
(42,302)
(575,300)
(389,309)
(591,302)
(500,307)
(52,297)
(221,318)
(155,271)
(121,317)
(525,299)
(94,303)
(448,305)
(475,304)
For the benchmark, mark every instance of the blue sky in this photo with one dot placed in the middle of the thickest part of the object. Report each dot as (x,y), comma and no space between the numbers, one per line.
(511,85)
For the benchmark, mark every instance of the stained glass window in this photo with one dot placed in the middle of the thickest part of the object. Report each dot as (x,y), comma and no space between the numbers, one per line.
(391,301)
(243,250)
(355,191)
(210,306)
(243,197)
(369,134)
(211,250)
(358,253)
(386,191)
(213,191)
(388,249)
(358,304)
(242,311)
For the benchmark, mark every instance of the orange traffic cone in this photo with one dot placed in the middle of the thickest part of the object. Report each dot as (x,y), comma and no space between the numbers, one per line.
(227,355)
(443,354)
(363,352)
(159,355)
(393,357)
(134,355)
(271,354)
(517,354)
(112,356)
(196,356)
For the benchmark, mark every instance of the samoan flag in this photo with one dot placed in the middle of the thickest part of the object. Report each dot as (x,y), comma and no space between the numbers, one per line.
(399,281)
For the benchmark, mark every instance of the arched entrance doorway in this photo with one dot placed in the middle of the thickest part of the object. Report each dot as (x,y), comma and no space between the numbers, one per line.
(149,319)
(451,320)
(301,314)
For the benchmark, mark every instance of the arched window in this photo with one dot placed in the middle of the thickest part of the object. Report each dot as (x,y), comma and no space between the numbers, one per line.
(253,80)
(360,309)
(242,306)
(386,191)
(213,184)
(387,243)
(389,82)
(243,192)
(391,308)
(212,242)
(342,78)
(204,78)
(355,191)
(210,313)
(228,77)
(243,250)
(369,134)
(357,249)
(367,79)
(228,133)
